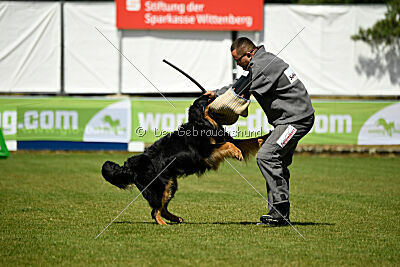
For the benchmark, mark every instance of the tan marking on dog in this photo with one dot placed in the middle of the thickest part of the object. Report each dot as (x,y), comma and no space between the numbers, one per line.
(167,196)
(250,147)
(158,218)
(212,141)
(167,193)
(164,201)
(224,151)
(207,117)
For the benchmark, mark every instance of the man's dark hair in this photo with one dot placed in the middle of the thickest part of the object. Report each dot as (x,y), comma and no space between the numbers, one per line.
(242,45)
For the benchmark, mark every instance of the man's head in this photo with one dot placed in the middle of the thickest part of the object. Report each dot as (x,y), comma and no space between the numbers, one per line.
(243,50)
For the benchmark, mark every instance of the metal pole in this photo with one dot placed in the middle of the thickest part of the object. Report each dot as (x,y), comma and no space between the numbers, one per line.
(62,64)
(120,37)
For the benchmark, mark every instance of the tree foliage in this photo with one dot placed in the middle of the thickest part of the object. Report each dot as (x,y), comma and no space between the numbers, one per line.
(385,32)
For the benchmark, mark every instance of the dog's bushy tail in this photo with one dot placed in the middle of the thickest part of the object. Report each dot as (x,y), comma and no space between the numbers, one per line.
(119,176)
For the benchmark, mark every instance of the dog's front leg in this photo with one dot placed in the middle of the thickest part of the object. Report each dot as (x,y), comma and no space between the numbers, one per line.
(250,147)
(226,150)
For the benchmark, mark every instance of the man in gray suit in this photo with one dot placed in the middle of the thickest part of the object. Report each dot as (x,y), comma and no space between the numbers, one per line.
(288,108)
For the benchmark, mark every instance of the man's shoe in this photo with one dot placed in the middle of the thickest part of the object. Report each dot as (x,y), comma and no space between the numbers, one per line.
(276,218)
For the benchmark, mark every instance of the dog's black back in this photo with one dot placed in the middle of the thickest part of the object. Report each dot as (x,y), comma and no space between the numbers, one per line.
(197,146)
(181,153)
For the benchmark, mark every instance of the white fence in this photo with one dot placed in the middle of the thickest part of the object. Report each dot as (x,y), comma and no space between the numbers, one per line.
(324,56)
(29,47)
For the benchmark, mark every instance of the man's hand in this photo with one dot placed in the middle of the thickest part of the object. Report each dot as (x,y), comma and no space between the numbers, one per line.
(210,94)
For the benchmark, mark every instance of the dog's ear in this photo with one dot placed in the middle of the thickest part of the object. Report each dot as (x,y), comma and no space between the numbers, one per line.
(196,110)
(196,113)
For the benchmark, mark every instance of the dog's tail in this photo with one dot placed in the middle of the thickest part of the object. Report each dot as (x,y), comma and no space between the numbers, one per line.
(119,176)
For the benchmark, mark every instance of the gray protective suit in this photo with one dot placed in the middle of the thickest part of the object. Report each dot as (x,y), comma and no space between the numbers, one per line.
(288,107)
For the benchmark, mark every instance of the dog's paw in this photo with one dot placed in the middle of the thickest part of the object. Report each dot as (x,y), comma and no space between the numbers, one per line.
(177,219)
(261,141)
(238,154)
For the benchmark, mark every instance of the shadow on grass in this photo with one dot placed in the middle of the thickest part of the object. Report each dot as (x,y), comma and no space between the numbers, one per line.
(229,223)
(255,223)
(311,223)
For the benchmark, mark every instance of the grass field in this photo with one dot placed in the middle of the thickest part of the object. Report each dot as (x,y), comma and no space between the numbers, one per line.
(54,204)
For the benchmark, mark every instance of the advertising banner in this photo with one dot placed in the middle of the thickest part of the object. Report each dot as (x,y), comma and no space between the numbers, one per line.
(144,120)
(223,15)
(343,122)
(66,119)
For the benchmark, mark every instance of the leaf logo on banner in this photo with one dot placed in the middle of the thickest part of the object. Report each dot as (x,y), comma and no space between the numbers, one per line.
(111,124)
(382,128)
(114,124)
(388,127)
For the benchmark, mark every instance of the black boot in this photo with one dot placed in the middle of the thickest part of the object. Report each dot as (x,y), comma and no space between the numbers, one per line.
(277,216)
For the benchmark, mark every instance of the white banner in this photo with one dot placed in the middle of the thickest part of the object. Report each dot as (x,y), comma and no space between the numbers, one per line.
(203,55)
(30,47)
(91,62)
(382,128)
(323,54)
(111,124)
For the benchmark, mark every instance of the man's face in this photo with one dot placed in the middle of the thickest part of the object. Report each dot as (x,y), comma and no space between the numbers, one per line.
(242,59)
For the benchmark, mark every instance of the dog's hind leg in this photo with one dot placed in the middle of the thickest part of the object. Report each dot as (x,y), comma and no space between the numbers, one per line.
(171,217)
(169,193)
(153,194)
(156,214)
(160,209)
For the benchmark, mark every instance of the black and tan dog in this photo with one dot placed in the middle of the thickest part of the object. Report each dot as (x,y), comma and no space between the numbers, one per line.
(199,145)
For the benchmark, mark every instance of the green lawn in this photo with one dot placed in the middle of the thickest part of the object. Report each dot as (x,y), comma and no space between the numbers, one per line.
(54,204)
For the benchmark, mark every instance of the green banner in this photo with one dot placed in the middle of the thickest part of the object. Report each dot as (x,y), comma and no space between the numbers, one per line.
(50,119)
(336,122)
(145,120)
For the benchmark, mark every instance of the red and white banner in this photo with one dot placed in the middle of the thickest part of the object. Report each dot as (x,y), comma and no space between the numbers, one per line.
(224,15)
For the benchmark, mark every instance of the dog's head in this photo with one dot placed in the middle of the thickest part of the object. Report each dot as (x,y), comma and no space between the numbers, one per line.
(199,112)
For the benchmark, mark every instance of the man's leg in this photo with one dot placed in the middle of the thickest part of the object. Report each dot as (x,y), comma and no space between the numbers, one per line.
(273,160)
(286,161)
